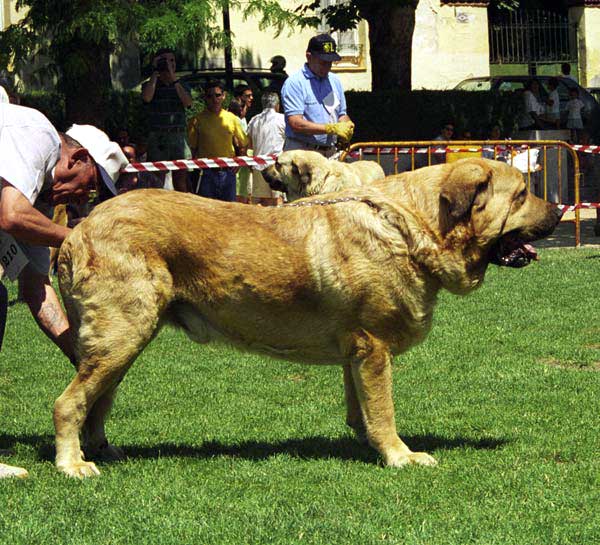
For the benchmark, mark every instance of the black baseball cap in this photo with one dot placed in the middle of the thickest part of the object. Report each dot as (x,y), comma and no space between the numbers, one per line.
(323,46)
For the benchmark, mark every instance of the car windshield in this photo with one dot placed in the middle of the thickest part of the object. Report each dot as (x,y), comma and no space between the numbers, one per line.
(509,86)
(474,85)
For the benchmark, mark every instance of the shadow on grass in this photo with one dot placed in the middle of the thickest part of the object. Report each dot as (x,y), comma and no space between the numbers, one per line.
(343,448)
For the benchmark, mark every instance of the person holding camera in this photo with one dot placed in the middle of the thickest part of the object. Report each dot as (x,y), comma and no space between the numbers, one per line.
(167,98)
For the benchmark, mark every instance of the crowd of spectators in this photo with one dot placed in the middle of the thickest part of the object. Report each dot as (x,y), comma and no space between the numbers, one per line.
(314,117)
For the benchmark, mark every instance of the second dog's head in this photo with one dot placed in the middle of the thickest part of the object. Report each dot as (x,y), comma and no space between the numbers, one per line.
(294,171)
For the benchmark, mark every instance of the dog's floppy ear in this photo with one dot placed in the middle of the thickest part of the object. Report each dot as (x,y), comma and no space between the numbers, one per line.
(301,165)
(466,182)
(303,168)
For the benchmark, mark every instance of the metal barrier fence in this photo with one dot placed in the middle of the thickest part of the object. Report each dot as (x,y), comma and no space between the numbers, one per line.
(550,167)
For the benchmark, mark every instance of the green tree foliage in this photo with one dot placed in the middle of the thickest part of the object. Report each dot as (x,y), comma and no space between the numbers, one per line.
(75,38)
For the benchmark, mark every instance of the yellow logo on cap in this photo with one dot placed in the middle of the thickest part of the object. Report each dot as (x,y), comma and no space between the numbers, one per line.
(328,47)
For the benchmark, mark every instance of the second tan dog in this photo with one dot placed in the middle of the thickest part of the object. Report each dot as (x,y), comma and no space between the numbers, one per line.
(301,173)
(349,282)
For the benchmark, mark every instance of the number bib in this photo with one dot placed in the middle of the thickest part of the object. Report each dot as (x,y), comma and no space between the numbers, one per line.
(12,258)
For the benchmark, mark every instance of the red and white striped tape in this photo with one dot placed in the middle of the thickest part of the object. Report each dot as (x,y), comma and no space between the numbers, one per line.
(582,205)
(586,149)
(406,150)
(265,160)
(213,162)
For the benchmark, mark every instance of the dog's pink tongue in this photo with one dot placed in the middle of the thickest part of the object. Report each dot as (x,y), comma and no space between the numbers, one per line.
(518,254)
(531,252)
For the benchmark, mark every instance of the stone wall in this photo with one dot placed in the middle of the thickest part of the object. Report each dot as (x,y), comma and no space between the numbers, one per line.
(587,19)
(450,44)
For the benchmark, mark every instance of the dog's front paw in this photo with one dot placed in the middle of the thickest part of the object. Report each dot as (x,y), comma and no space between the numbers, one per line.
(79,470)
(404,459)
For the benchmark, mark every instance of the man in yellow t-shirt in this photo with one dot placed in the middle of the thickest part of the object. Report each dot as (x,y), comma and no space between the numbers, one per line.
(215,132)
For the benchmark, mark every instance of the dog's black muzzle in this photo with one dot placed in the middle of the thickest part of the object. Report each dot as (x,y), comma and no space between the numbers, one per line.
(275,183)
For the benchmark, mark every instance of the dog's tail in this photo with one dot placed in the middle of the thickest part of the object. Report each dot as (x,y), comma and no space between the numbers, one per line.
(73,261)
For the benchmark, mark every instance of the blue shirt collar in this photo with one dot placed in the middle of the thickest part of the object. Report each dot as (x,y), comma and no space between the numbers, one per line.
(308,73)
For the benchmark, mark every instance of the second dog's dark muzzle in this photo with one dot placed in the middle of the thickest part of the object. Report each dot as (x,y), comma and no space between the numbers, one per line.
(273,180)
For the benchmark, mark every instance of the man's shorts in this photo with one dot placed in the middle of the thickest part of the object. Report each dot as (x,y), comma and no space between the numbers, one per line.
(38,256)
(168,146)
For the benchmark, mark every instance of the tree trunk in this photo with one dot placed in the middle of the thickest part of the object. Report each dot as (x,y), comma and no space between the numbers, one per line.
(391,29)
(86,81)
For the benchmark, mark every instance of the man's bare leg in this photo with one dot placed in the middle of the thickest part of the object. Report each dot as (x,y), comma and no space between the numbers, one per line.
(45,307)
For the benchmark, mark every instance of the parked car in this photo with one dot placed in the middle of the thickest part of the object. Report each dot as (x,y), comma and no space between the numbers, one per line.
(595,92)
(516,84)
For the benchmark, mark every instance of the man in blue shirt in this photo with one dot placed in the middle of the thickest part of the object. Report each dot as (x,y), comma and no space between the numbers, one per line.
(314,103)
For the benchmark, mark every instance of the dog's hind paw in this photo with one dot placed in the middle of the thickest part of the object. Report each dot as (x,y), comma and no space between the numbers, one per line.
(80,470)
(417,458)
(361,437)
(112,453)
(107,453)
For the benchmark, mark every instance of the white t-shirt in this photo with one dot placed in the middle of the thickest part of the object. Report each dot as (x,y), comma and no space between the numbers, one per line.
(574,108)
(267,131)
(530,104)
(29,149)
(554,108)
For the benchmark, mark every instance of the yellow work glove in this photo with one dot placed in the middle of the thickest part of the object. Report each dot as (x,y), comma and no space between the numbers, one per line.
(343,130)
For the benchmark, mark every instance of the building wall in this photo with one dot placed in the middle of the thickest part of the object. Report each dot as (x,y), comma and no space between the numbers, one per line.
(254,47)
(588,22)
(450,44)
(9,13)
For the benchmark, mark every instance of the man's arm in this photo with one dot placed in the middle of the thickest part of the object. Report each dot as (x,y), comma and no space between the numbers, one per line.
(303,126)
(240,138)
(149,88)
(192,136)
(183,94)
(21,220)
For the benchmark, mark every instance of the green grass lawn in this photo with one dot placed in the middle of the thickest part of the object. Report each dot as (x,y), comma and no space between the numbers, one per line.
(229,448)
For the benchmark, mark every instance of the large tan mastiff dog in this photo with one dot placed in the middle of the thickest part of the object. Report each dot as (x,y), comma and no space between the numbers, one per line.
(349,279)
(301,173)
